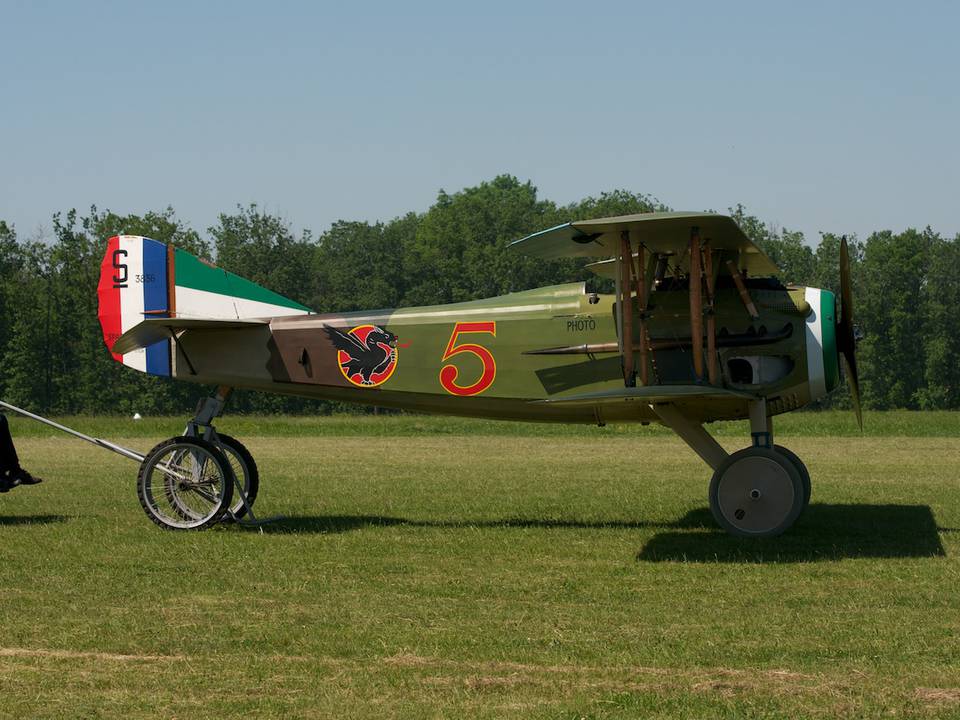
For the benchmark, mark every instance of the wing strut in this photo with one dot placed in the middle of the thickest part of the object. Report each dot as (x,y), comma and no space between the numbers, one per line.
(742,289)
(626,308)
(711,313)
(696,303)
(702,280)
(642,302)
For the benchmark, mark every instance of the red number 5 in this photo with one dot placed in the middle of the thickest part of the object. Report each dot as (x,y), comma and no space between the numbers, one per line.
(448,373)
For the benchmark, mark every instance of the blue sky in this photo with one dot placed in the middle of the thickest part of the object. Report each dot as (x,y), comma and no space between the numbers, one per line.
(816,116)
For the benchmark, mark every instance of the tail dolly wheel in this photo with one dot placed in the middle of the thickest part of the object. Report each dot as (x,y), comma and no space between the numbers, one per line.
(246,477)
(185,483)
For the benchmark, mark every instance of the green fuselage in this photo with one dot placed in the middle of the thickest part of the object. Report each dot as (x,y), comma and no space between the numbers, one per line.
(503,357)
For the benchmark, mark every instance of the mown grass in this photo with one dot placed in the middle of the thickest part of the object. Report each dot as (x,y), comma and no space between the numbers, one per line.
(446,568)
(834,423)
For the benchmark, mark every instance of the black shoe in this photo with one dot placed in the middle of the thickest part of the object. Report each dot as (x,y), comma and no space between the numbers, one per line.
(22,477)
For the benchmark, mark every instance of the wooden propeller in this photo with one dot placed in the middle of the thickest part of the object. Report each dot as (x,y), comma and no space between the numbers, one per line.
(846,339)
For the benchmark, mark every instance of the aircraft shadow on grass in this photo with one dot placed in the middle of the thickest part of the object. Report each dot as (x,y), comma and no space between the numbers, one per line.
(346,523)
(825,532)
(11,520)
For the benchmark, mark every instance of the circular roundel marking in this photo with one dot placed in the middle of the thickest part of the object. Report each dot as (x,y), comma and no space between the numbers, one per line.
(382,365)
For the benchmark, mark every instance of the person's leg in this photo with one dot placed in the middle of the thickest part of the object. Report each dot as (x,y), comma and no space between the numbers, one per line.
(11,474)
(9,462)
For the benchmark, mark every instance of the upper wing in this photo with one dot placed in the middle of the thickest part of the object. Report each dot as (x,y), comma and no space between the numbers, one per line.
(153,330)
(664,233)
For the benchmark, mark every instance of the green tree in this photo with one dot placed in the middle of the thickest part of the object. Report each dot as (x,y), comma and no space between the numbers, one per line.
(892,277)
(10,263)
(941,327)
(459,251)
(27,356)
(785,247)
(163,226)
(611,204)
(262,248)
(358,266)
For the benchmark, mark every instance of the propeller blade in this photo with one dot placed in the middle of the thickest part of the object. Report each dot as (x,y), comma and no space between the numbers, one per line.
(846,340)
(850,369)
(846,291)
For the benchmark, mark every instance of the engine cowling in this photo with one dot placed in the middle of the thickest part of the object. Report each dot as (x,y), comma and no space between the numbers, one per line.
(823,359)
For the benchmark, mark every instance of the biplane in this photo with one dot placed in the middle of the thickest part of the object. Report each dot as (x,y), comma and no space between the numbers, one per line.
(697,330)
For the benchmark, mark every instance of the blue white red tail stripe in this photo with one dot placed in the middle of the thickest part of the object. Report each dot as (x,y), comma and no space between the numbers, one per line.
(133,285)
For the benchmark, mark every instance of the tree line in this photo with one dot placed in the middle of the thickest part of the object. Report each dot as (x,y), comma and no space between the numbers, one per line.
(52,357)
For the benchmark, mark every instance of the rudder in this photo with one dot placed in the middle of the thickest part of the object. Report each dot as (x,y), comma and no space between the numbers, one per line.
(134,284)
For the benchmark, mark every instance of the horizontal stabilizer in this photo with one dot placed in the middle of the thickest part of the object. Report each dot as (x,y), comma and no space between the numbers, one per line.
(650,394)
(154,330)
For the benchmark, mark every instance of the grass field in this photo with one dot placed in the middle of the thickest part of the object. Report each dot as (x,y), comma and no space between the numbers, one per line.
(430,567)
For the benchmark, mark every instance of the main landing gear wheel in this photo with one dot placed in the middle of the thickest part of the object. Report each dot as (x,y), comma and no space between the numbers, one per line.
(185,484)
(756,492)
(244,471)
(801,468)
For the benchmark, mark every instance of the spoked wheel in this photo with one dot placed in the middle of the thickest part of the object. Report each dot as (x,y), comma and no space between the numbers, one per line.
(756,492)
(245,474)
(802,469)
(185,484)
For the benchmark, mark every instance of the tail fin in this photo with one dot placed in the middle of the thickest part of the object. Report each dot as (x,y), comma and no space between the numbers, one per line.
(142,278)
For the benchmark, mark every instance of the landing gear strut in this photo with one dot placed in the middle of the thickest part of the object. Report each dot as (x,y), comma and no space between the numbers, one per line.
(759,491)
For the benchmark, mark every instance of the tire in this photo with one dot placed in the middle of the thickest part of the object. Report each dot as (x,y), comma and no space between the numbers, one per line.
(802,469)
(756,492)
(245,474)
(194,498)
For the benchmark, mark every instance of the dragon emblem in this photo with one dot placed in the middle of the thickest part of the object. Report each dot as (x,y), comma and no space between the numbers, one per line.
(367,354)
